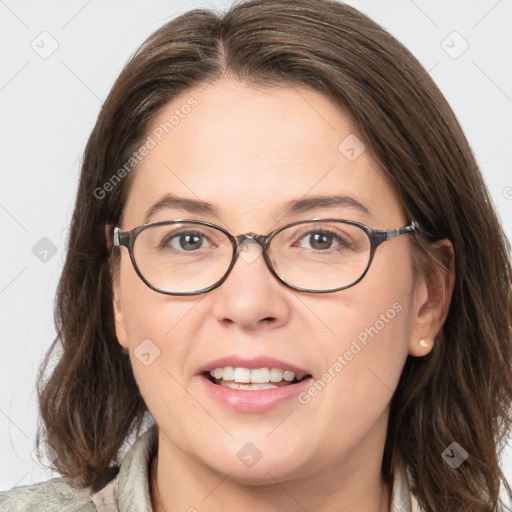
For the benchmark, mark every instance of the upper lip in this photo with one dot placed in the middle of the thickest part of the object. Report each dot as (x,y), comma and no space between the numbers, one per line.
(251,363)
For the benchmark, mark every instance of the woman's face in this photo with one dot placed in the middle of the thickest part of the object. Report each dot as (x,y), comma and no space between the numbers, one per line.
(248,151)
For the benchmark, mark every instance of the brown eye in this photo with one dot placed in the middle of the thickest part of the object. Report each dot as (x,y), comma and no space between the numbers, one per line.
(321,241)
(187,241)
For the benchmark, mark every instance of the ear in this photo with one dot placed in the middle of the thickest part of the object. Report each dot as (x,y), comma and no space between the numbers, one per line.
(109,229)
(432,299)
(121,332)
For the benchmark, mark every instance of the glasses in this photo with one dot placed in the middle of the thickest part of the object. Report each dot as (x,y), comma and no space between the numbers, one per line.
(190,257)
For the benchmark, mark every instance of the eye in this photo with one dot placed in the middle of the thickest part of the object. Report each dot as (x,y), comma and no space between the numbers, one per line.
(184,241)
(322,240)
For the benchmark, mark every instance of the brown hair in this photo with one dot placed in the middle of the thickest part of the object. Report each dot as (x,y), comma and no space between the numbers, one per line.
(461,391)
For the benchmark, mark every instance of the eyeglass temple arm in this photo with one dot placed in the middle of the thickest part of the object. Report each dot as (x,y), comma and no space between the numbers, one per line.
(121,238)
(389,234)
(380,236)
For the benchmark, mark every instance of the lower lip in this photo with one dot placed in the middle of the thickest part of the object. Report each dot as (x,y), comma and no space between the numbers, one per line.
(261,400)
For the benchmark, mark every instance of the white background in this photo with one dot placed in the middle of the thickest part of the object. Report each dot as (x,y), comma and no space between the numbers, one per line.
(49,106)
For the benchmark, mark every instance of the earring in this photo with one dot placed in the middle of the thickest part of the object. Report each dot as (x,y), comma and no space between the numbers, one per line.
(424,343)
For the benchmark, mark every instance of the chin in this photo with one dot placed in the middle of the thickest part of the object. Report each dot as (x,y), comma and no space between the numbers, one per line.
(258,472)
(256,477)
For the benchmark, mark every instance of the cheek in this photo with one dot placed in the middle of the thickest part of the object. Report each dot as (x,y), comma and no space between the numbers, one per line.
(367,342)
(147,314)
(359,380)
(158,352)
(365,349)
(160,332)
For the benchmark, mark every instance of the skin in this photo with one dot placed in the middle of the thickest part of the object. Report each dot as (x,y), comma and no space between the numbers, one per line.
(248,150)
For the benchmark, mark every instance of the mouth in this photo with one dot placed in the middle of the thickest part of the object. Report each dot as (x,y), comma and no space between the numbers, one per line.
(256,379)
(254,385)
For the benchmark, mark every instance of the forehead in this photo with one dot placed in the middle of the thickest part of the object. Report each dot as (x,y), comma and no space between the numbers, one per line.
(248,150)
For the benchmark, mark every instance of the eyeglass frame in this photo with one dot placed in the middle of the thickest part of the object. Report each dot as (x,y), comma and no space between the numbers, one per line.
(375,236)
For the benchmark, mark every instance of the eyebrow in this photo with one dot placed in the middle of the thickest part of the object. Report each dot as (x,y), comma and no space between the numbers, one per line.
(289,208)
(315,202)
(181,203)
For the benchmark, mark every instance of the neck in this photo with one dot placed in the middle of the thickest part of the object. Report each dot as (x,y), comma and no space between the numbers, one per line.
(360,489)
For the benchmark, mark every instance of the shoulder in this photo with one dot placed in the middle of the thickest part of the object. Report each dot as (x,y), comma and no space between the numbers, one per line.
(130,487)
(53,495)
(402,498)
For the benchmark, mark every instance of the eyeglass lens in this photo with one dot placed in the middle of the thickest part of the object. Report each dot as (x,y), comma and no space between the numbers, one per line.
(188,257)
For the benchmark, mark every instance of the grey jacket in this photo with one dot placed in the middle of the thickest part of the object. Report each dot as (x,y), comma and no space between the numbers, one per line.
(129,491)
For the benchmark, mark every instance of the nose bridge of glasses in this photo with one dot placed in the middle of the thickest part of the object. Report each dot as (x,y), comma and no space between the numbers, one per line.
(243,249)
(251,238)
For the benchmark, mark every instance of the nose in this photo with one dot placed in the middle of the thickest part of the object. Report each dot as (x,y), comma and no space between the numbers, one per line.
(251,297)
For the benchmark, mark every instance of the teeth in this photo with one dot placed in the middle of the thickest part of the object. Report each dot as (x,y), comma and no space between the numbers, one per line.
(234,385)
(242,375)
(256,376)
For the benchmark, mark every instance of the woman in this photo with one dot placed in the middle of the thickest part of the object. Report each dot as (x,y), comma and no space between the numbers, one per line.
(276,261)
